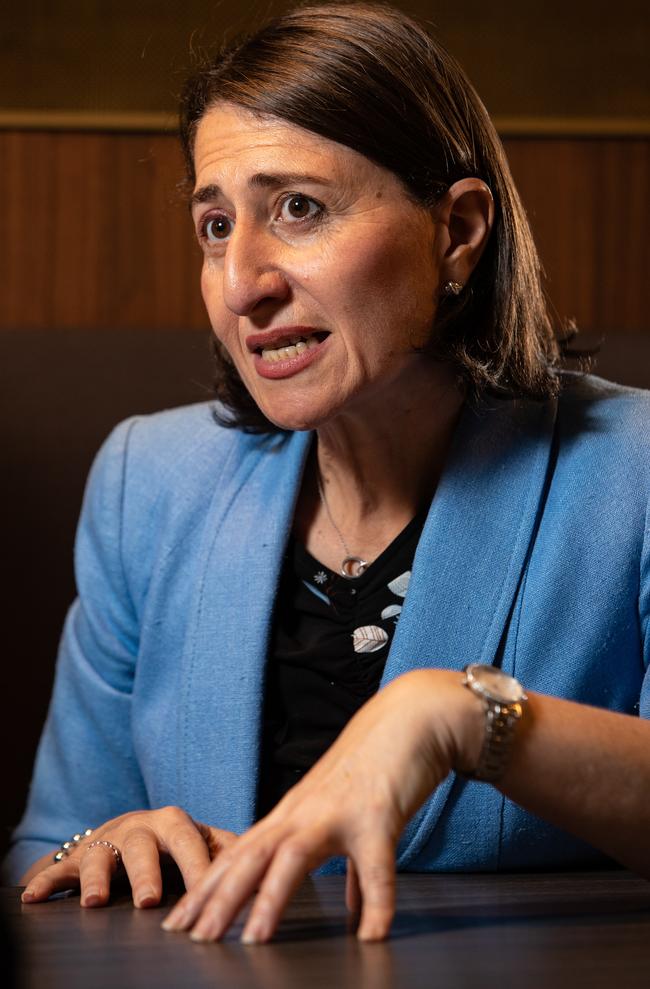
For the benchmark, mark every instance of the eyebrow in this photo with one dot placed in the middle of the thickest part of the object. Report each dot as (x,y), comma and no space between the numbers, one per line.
(261,180)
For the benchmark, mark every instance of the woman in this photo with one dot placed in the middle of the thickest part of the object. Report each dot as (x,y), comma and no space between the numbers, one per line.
(403,468)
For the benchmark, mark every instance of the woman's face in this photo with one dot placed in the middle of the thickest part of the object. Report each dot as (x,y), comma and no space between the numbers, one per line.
(320,275)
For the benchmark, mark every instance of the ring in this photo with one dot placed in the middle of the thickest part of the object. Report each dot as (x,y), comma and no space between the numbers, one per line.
(108,844)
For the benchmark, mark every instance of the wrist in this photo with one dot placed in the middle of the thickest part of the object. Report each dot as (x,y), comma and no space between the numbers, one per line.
(453,719)
(468,727)
(504,701)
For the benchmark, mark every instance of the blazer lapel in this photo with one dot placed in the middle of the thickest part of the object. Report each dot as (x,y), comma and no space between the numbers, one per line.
(225,655)
(471,556)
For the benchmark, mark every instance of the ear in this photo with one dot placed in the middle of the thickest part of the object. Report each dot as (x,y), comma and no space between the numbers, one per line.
(466,215)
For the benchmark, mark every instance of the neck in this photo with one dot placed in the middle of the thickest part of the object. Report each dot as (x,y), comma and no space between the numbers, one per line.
(381,464)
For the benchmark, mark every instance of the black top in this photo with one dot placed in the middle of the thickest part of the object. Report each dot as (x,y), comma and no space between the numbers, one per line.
(329,645)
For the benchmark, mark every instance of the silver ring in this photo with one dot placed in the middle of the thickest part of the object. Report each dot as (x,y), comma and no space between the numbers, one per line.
(108,844)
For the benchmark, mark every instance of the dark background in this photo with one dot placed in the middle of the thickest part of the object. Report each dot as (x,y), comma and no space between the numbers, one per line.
(100,313)
(542,58)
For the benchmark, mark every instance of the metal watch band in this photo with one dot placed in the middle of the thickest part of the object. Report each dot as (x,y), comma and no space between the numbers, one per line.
(504,701)
(500,723)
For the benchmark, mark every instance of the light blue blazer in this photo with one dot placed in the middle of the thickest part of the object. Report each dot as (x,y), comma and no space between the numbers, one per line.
(535,555)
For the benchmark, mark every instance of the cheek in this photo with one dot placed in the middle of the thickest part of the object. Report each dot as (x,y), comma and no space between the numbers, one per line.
(208,282)
(395,280)
(213,299)
(396,263)
(224,324)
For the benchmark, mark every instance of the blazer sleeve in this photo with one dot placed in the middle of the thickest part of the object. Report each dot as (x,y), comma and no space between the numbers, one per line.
(86,770)
(644,617)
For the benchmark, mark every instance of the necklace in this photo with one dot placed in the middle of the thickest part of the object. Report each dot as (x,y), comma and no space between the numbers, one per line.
(351,566)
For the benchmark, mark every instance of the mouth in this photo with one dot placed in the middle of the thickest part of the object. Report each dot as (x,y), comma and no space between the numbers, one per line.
(286,351)
(285,344)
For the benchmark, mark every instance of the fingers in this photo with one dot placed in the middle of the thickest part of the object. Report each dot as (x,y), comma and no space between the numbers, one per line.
(181,837)
(215,901)
(352,889)
(217,839)
(375,866)
(54,879)
(289,867)
(187,845)
(97,864)
(141,859)
(89,867)
(235,887)
(280,864)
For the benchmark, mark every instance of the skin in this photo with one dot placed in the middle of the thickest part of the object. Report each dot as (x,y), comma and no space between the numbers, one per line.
(367,267)
(145,839)
(370,273)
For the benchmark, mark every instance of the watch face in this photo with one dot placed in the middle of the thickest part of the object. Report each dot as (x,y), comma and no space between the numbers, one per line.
(496,685)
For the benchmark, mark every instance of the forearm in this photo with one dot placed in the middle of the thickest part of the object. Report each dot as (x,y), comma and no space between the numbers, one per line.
(587,771)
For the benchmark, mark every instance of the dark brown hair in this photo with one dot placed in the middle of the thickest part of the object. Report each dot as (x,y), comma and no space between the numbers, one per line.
(371,78)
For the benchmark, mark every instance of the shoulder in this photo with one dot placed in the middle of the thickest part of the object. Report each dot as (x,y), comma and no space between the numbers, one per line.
(609,401)
(155,483)
(601,460)
(163,441)
(169,461)
(174,460)
(598,415)
(174,449)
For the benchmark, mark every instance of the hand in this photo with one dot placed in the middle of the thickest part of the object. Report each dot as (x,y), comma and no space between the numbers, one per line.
(141,837)
(355,801)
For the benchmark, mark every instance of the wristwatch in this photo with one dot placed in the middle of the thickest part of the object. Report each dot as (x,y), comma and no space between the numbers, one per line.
(504,701)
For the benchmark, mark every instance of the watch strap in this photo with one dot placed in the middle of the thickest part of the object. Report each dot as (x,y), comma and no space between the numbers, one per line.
(500,725)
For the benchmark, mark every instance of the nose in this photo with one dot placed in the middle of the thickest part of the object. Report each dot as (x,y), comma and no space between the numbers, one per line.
(252,271)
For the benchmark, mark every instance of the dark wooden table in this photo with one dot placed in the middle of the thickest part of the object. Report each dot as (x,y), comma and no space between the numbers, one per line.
(546,930)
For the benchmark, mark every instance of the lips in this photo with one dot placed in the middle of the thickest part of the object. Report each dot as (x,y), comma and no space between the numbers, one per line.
(275,354)
(282,336)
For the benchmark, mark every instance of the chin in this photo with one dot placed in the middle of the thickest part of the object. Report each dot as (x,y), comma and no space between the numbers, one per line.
(293,423)
(296,419)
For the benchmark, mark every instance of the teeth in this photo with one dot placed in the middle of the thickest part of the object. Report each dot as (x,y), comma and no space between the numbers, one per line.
(294,349)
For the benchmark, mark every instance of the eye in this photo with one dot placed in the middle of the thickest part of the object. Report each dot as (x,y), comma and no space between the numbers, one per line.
(299,207)
(216,228)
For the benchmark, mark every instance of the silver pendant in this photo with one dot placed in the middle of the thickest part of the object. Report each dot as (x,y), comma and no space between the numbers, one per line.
(353,566)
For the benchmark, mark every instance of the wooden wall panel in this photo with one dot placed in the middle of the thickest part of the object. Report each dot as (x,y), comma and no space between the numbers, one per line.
(588,202)
(544,58)
(96,232)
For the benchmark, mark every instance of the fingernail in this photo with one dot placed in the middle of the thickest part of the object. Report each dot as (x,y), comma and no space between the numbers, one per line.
(175,920)
(253,934)
(145,897)
(28,894)
(92,898)
(199,935)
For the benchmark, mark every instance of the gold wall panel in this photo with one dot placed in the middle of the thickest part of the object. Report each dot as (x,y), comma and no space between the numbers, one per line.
(96,232)
(540,66)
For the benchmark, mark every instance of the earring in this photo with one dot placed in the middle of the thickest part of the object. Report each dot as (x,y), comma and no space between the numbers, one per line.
(452,288)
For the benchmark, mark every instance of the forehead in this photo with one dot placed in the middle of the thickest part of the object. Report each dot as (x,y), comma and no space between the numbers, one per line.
(233,142)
